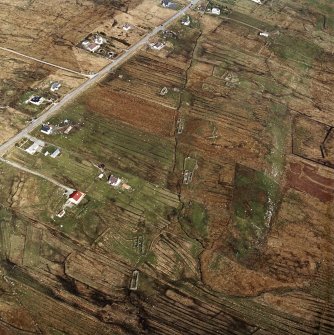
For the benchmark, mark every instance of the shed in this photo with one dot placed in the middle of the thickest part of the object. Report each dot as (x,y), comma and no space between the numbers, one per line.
(55,153)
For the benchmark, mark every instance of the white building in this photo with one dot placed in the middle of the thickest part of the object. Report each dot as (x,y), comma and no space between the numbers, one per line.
(46,129)
(157,45)
(258,1)
(114,181)
(55,153)
(35,147)
(127,27)
(99,40)
(186,21)
(215,11)
(55,86)
(264,34)
(36,100)
(61,213)
(92,47)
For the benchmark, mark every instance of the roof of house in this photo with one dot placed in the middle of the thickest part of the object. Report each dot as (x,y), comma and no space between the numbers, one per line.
(93,47)
(127,26)
(112,179)
(76,195)
(35,98)
(46,127)
(55,85)
(55,153)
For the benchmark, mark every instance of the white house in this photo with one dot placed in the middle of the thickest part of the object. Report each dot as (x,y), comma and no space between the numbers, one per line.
(258,1)
(55,153)
(264,34)
(35,147)
(46,129)
(114,181)
(186,21)
(92,47)
(215,11)
(99,40)
(166,3)
(55,86)
(157,45)
(127,27)
(36,100)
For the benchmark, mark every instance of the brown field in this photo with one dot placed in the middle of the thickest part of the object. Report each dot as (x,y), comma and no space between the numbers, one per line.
(132,110)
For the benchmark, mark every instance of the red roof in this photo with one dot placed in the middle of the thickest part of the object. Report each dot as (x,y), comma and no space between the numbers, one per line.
(76,195)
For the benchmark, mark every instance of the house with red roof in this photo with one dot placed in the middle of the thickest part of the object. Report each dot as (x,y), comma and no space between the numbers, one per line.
(76,197)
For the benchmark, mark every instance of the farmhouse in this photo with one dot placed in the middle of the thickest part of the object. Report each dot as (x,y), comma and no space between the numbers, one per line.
(127,27)
(36,100)
(166,3)
(157,45)
(35,147)
(99,40)
(92,47)
(55,86)
(114,181)
(46,129)
(215,11)
(264,34)
(186,21)
(76,197)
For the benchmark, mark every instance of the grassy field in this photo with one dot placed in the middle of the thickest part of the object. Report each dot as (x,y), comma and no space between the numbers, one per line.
(254,200)
(142,160)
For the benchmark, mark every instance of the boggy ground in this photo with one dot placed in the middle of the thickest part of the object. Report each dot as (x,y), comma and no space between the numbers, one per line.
(245,247)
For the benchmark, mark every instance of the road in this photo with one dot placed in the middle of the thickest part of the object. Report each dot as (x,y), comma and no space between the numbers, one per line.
(91,81)
(46,63)
(51,180)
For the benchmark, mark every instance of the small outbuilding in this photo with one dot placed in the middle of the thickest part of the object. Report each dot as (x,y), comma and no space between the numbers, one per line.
(215,11)
(55,153)
(61,213)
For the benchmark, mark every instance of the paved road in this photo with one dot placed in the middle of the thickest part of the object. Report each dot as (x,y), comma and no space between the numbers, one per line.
(46,63)
(51,180)
(91,81)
